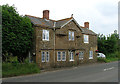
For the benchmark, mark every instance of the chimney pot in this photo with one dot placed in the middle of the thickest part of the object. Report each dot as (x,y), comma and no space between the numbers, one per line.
(86,25)
(46,14)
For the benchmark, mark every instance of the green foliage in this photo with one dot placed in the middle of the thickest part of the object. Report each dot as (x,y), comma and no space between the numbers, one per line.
(17,32)
(113,55)
(13,59)
(15,69)
(103,60)
(110,57)
(109,44)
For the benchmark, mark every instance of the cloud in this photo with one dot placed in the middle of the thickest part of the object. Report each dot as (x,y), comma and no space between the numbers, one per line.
(102,14)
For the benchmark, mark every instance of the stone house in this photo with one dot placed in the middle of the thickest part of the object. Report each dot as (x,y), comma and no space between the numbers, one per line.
(63,42)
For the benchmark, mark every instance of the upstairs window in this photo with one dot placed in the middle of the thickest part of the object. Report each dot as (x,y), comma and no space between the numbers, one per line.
(45,35)
(86,39)
(71,35)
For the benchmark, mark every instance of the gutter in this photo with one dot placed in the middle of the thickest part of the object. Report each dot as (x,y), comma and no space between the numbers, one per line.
(54,41)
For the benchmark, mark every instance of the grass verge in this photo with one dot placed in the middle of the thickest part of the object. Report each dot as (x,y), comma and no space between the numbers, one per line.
(110,57)
(15,69)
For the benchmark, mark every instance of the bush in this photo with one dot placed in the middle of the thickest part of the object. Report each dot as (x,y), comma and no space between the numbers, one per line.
(15,69)
(103,60)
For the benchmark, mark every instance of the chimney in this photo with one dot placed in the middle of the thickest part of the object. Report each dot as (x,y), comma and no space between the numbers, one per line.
(86,25)
(46,14)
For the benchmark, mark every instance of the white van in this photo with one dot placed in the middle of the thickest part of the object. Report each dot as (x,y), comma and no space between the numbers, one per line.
(101,55)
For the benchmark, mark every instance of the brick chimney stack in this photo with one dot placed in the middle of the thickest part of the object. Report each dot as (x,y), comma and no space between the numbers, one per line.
(46,14)
(86,25)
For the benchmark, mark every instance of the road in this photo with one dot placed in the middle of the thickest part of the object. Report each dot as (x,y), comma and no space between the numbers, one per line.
(104,72)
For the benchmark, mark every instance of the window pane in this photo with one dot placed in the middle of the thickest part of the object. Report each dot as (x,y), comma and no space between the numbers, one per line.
(86,39)
(72,35)
(59,56)
(63,56)
(43,57)
(69,35)
(46,35)
(71,56)
(43,35)
(47,56)
(91,54)
(81,55)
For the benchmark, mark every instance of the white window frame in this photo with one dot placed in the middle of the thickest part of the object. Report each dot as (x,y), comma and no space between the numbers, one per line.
(71,56)
(86,38)
(71,36)
(90,54)
(45,35)
(47,56)
(81,55)
(63,56)
(42,56)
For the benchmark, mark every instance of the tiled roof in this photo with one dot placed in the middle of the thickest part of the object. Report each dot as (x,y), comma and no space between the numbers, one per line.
(60,23)
(87,31)
(40,21)
(57,24)
(48,23)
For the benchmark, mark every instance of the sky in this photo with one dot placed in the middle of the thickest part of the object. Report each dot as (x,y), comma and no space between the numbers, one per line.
(102,15)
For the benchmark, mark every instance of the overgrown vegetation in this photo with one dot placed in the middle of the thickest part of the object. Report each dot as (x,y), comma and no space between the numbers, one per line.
(17,35)
(110,46)
(15,69)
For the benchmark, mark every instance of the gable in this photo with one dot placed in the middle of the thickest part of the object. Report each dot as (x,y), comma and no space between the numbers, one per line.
(72,26)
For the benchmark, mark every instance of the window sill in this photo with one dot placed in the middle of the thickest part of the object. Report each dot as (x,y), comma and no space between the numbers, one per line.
(71,60)
(80,58)
(86,42)
(91,58)
(63,60)
(45,40)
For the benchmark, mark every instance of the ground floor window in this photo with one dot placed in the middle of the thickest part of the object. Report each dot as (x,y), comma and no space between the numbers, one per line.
(71,56)
(45,56)
(90,54)
(61,56)
(81,55)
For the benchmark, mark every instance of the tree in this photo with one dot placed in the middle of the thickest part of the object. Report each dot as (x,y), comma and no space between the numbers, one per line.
(17,32)
(108,44)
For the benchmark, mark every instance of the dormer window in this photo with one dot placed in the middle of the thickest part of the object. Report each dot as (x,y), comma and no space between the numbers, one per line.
(86,39)
(45,35)
(71,36)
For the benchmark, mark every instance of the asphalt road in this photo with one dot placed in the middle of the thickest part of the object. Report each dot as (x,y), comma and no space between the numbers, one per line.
(105,72)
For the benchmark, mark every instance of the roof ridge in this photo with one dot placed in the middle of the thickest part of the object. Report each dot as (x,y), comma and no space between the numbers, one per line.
(32,16)
(50,19)
(64,19)
(38,17)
